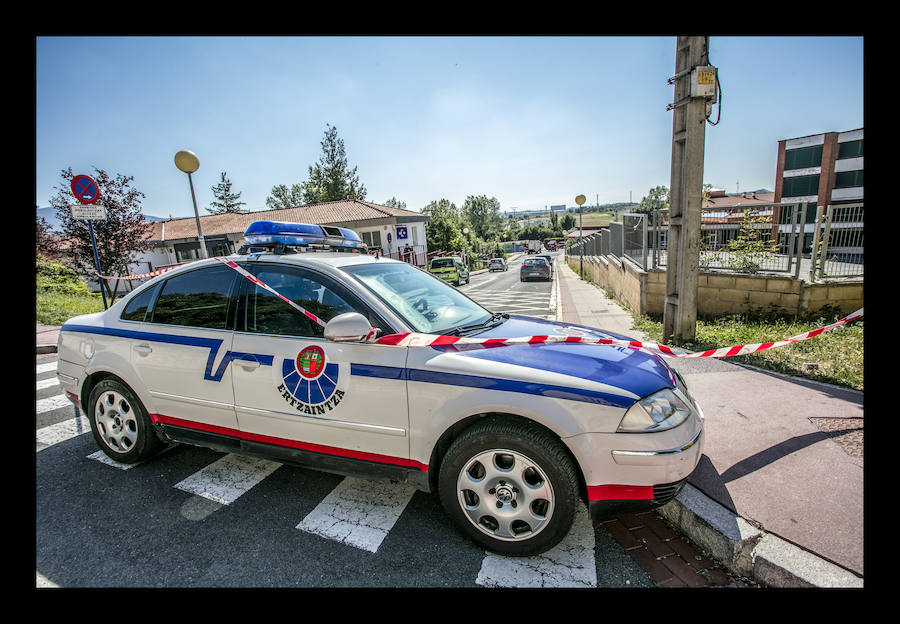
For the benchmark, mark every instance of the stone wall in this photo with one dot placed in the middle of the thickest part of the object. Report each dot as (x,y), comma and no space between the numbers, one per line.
(719,293)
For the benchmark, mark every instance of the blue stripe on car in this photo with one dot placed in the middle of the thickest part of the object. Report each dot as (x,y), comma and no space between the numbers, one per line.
(490,383)
(213,344)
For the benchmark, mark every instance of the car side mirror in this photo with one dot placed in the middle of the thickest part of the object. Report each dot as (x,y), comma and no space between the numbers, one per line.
(348,327)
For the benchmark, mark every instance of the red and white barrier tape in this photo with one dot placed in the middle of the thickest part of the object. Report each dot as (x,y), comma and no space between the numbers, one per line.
(245,273)
(128,277)
(412,339)
(430,340)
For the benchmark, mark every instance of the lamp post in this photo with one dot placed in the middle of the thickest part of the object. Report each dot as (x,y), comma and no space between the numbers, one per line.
(466,252)
(580,200)
(188,162)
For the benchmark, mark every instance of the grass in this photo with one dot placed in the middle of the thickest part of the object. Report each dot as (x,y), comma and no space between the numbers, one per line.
(834,357)
(56,308)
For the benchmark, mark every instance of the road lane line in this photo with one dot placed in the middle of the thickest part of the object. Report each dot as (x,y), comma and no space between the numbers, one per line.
(228,478)
(570,563)
(46,368)
(359,512)
(47,383)
(53,403)
(62,431)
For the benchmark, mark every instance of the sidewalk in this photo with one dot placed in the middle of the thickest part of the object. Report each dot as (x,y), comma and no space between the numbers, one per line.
(774,498)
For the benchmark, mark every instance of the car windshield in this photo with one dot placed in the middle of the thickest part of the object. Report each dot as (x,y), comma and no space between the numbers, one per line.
(426,303)
(442,263)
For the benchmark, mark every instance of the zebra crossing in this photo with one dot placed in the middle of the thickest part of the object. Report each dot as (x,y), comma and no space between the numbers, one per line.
(514,302)
(357,513)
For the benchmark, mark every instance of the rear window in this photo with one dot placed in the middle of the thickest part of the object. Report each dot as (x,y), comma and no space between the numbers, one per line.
(535,261)
(442,263)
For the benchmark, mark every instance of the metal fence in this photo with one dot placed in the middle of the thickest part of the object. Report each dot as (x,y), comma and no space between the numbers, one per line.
(750,238)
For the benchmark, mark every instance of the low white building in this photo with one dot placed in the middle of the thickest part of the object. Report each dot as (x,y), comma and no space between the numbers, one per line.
(396,232)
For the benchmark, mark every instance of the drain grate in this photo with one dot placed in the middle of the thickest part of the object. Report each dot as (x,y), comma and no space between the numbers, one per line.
(846,432)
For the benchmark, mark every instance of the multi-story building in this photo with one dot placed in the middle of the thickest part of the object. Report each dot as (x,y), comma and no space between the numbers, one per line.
(818,170)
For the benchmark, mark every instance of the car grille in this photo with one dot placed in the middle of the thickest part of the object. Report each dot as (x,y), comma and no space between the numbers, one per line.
(665,492)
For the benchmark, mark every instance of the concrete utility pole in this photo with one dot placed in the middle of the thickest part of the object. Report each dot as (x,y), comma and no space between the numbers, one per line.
(686,194)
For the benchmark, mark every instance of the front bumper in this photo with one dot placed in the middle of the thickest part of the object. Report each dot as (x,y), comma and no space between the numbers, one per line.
(625,473)
(661,494)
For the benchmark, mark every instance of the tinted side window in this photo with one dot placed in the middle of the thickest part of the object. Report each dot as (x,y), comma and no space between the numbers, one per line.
(137,307)
(198,298)
(262,312)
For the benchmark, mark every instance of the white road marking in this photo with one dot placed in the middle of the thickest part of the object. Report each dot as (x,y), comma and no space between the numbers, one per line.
(64,430)
(226,479)
(103,458)
(47,383)
(359,512)
(53,403)
(568,564)
(42,581)
(46,368)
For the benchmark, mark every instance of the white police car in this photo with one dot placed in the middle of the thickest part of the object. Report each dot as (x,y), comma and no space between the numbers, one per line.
(510,437)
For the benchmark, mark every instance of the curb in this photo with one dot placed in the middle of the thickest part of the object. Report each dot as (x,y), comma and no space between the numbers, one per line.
(744,549)
(46,348)
(748,551)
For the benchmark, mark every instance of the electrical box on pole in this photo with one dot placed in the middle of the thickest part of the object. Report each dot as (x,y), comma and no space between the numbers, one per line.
(695,87)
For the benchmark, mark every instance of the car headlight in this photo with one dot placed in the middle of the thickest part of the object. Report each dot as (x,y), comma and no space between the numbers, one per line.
(660,411)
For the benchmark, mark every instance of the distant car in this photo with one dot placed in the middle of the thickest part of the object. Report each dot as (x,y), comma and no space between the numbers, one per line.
(449,269)
(511,439)
(535,268)
(497,264)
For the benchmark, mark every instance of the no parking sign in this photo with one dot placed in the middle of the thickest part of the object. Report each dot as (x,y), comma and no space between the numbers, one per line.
(85,189)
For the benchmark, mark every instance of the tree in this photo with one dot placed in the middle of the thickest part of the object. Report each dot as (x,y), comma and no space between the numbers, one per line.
(330,179)
(393,202)
(483,215)
(225,201)
(443,232)
(120,237)
(656,199)
(47,242)
(568,222)
(284,197)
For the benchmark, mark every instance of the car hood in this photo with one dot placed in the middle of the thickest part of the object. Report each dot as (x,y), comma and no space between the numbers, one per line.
(638,372)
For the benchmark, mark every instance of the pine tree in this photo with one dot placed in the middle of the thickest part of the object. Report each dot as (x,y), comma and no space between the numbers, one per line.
(330,179)
(226,201)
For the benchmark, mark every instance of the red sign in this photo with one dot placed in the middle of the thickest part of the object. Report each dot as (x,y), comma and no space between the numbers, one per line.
(85,189)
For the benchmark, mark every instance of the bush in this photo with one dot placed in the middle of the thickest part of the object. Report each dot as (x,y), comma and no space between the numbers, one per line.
(56,277)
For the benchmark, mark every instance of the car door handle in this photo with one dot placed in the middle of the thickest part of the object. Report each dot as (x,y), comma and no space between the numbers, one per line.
(248,364)
(143,348)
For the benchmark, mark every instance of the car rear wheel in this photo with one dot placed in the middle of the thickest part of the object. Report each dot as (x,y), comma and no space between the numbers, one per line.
(509,486)
(120,424)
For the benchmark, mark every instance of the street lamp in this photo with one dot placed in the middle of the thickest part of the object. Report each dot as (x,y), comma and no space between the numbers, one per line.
(188,162)
(466,252)
(580,200)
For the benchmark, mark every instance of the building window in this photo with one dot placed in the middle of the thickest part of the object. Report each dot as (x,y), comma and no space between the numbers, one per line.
(372,239)
(850,149)
(848,179)
(803,158)
(800,186)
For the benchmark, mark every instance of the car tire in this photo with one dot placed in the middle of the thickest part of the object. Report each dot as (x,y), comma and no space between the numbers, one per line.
(120,424)
(509,486)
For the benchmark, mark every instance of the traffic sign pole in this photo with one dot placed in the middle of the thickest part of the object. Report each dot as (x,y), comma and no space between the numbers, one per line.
(87,191)
(97,262)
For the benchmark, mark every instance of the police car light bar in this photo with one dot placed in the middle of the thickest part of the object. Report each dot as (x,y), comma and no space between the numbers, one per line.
(271,233)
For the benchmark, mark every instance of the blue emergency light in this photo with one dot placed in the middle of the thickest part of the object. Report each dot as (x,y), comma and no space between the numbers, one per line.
(270,233)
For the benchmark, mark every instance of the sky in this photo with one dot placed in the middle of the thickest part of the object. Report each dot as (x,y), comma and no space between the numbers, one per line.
(531,121)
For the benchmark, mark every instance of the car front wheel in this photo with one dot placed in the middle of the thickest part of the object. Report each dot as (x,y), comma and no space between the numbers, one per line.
(120,424)
(509,486)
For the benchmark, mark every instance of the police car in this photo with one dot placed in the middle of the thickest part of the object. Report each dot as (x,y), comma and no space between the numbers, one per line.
(277,352)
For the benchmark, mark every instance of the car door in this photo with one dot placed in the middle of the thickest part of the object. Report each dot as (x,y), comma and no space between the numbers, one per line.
(183,349)
(295,389)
